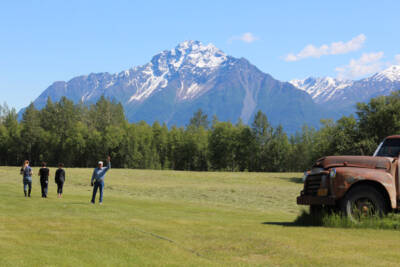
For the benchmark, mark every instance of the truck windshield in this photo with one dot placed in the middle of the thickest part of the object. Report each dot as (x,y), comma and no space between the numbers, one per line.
(389,148)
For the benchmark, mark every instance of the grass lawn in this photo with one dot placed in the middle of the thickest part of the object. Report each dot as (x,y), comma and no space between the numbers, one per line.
(170,218)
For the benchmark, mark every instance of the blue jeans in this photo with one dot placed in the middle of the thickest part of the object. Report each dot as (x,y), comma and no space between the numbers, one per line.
(100,185)
(27,184)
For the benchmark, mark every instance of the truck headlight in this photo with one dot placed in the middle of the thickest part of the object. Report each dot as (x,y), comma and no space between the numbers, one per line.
(332,173)
(304,176)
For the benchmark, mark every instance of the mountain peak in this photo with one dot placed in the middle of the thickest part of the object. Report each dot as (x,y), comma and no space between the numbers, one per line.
(189,44)
(190,59)
(392,73)
(193,45)
(195,54)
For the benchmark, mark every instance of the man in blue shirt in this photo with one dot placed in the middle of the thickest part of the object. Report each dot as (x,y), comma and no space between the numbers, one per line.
(98,179)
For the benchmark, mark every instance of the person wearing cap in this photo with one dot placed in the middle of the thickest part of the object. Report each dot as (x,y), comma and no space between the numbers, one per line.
(98,179)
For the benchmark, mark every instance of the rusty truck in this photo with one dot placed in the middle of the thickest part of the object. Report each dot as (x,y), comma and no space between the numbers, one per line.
(355,185)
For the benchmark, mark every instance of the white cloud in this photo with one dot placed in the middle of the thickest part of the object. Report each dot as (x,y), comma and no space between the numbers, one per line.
(367,64)
(246,37)
(397,58)
(334,48)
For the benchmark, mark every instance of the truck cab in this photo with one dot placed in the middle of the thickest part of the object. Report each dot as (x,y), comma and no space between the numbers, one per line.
(355,185)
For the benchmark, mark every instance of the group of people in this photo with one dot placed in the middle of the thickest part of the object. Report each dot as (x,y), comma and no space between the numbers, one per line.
(97,181)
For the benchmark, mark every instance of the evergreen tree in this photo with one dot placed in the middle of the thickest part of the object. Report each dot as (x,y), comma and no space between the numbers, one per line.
(246,145)
(222,146)
(199,119)
(31,135)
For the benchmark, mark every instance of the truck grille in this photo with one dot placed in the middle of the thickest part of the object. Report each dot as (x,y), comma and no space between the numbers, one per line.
(312,184)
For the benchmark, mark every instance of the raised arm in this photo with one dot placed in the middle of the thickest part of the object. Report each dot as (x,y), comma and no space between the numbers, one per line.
(108,164)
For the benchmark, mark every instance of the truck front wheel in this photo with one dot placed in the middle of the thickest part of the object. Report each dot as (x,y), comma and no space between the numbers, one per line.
(363,201)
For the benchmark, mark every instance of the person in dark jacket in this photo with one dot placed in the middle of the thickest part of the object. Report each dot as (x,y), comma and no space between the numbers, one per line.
(26,173)
(44,173)
(60,179)
(98,176)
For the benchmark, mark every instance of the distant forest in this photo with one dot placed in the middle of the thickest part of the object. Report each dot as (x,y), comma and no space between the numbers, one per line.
(80,135)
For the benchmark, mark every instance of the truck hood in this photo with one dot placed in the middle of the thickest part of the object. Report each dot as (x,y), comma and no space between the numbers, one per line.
(354,161)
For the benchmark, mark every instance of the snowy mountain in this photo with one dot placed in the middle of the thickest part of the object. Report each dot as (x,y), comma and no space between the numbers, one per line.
(322,89)
(344,94)
(177,82)
(189,60)
(391,74)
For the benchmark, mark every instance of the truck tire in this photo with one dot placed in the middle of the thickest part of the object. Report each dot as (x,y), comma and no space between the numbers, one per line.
(363,201)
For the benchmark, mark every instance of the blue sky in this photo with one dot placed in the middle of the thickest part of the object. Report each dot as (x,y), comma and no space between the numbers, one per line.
(46,41)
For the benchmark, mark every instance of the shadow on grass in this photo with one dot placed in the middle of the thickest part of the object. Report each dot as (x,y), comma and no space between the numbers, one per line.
(390,221)
(287,224)
(305,219)
(296,180)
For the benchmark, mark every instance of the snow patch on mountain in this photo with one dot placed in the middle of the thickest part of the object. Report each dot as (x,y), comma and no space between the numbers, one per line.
(150,84)
(187,92)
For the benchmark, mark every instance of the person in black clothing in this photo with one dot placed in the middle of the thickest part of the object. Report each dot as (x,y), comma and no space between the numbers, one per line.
(44,179)
(60,179)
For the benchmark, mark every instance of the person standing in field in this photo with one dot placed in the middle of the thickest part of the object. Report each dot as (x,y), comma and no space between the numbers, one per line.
(26,172)
(59,178)
(98,179)
(44,173)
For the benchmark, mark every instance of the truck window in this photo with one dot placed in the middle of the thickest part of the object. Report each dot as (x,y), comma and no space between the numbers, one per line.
(389,148)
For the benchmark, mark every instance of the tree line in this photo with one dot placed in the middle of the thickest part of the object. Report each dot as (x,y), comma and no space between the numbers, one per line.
(78,135)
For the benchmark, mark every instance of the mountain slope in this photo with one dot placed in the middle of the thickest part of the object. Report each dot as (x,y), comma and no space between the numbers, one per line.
(177,82)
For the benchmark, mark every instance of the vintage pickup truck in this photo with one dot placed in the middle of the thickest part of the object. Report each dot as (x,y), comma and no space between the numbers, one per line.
(355,185)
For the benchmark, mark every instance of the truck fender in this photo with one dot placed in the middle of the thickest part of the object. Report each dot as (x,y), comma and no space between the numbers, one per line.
(383,181)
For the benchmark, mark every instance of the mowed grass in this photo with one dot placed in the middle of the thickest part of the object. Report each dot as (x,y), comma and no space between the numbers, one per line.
(170,218)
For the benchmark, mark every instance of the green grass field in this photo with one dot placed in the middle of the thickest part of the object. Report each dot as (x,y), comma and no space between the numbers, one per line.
(170,218)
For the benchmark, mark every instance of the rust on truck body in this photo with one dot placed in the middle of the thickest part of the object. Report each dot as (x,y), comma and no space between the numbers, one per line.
(332,177)
(348,177)
(355,161)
